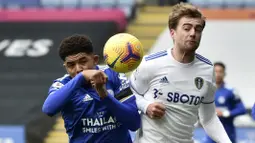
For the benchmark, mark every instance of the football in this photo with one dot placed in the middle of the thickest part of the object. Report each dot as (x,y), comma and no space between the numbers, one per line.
(123,52)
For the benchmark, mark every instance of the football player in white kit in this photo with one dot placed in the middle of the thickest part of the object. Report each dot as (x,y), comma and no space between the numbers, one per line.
(175,88)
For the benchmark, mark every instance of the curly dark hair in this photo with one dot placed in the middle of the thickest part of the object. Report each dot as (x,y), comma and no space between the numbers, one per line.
(75,44)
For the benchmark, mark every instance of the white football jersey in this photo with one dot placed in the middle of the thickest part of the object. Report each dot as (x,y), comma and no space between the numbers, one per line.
(182,88)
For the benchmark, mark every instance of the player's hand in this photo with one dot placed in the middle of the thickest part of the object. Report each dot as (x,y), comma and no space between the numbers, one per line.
(219,113)
(98,80)
(156,110)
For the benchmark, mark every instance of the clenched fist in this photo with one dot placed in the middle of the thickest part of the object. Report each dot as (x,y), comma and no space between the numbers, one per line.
(98,80)
(156,110)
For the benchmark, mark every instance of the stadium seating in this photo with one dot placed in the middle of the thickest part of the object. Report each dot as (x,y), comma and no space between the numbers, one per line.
(216,3)
(200,3)
(249,3)
(234,3)
(88,3)
(70,3)
(20,3)
(107,3)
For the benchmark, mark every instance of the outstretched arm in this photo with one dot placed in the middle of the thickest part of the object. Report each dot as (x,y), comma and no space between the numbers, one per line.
(60,94)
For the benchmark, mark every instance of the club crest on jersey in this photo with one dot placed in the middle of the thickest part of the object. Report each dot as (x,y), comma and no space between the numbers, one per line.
(199,82)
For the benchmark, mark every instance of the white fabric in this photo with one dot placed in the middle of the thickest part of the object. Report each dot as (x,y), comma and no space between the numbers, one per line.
(160,78)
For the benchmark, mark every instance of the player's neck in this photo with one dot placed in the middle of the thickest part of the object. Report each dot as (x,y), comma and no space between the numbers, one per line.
(218,85)
(182,56)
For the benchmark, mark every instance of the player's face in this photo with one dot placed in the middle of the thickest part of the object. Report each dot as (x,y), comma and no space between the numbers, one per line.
(188,33)
(74,64)
(219,74)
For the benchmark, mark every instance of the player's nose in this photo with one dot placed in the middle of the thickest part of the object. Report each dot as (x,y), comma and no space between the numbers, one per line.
(192,32)
(78,68)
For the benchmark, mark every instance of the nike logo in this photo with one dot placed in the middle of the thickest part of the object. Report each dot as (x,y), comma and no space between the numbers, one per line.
(114,62)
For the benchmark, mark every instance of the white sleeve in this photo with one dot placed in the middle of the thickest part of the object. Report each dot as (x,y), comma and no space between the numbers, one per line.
(139,83)
(212,124)
(209,120)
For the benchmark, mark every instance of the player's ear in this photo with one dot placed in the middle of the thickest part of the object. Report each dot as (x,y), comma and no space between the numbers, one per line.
(96,59)
(172,33)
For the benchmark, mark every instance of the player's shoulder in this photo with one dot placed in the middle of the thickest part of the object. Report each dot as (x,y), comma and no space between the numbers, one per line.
(205,67)
(155,56)
(151,61)
(61,81)
(203,61)
(107,70)
(64,79)
(103,67)
(229,88)
(110,72)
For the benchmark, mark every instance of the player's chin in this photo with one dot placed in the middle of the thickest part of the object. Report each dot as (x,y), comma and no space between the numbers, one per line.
(191,47)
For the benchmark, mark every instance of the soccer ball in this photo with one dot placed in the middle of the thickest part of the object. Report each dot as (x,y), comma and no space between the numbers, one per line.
(123,52)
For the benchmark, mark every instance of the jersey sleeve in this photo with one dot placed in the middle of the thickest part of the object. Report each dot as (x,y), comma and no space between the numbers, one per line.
(139,79)
(60,94)
(57,84)
(209,98)
(139,82)
(235,96)
(122,89)
(238,106)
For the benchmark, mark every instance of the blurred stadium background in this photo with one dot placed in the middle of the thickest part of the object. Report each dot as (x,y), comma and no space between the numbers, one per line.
(31,30)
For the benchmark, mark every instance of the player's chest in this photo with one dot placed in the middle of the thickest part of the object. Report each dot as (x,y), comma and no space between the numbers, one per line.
(222,98)
(180,88)
(88,101)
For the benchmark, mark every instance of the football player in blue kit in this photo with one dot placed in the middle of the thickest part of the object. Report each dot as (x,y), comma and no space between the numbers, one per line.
(95,102)
(228,103)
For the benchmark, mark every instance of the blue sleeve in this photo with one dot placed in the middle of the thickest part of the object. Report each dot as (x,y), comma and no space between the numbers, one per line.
(126,112)
(239,108)
(58,97)
(253,112)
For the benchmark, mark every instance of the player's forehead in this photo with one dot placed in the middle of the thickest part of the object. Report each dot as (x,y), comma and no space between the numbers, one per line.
(76,57)
(218,67)
(190,21)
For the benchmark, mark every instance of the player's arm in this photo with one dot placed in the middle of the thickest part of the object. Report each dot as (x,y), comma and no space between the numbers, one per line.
(60,94)
(253,112)
(238,109)
(123,104)
(139,83)
(209,120)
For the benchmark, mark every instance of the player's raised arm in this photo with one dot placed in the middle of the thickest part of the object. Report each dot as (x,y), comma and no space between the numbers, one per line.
(139,85)
(209,119)
(60,94)
(123,104)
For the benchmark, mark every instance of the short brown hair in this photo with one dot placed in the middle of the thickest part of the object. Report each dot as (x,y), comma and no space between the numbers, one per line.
(183,10)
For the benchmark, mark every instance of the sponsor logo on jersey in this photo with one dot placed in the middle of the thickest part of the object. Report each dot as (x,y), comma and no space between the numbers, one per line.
(99,123)
(199,82)
(176,97)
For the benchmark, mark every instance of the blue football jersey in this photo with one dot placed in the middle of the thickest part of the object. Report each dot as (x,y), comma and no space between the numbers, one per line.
(89,119)
(253,112)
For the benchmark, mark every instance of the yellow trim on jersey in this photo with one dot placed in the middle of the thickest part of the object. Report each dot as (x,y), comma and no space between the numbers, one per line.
(126,98)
